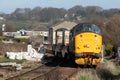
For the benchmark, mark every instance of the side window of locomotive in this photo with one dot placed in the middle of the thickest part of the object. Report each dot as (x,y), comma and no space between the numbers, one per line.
(79,29)
(76,31)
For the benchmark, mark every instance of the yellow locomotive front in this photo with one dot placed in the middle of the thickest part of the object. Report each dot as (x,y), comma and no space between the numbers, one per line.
(87,44)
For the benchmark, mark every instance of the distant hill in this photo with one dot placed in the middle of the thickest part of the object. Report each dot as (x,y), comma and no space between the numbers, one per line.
(108,20)
(58,14)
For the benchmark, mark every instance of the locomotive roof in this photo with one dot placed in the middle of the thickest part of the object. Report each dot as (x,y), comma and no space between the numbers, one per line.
(83,27)
(82,24)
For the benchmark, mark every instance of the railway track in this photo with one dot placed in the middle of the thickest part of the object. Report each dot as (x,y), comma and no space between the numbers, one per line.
(32,74)
(38,73)
(48,72)
(59,73)
(68,73)
(51,73)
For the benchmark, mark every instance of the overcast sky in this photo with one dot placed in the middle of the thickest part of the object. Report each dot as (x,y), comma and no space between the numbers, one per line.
(8,6)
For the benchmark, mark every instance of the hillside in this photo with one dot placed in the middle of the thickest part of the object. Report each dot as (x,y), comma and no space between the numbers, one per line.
(37,18)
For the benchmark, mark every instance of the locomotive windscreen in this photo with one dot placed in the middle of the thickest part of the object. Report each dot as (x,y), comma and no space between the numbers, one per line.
(87,28)
(91,28)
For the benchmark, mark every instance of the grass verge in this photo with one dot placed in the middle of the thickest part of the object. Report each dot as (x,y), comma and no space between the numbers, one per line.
(2,60)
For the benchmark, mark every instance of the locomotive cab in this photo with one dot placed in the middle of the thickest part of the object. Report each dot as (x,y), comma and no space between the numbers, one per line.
(86,44)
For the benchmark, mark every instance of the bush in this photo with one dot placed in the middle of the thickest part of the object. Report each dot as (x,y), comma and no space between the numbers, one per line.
(85,78)
(21,40)
(1,38)
(109,48)
(86,75)
(5,39)
(108,71)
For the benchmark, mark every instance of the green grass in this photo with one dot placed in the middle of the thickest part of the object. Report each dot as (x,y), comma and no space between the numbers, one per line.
(10,60)
(43,23)
(20,25)
(86,75)
(1,38)
(83,77)
(108,71)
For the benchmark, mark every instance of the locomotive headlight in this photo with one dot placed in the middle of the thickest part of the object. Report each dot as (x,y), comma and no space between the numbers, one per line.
(95,40)
(81,41)
(87,45)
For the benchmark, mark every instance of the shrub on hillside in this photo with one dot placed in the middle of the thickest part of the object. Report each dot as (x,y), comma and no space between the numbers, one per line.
(109,49)
(5,39)
(21,40)
(1,38)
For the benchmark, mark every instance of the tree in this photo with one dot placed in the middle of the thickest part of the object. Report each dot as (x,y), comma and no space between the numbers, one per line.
(113,29)
(10,27)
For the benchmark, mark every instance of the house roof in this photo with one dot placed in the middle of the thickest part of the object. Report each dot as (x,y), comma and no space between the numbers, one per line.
(66,24)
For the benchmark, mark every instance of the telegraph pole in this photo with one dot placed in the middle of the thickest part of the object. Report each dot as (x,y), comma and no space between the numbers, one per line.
(3,28)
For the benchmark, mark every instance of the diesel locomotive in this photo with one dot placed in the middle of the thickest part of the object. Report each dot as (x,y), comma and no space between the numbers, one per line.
(82,43)
(85,43)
